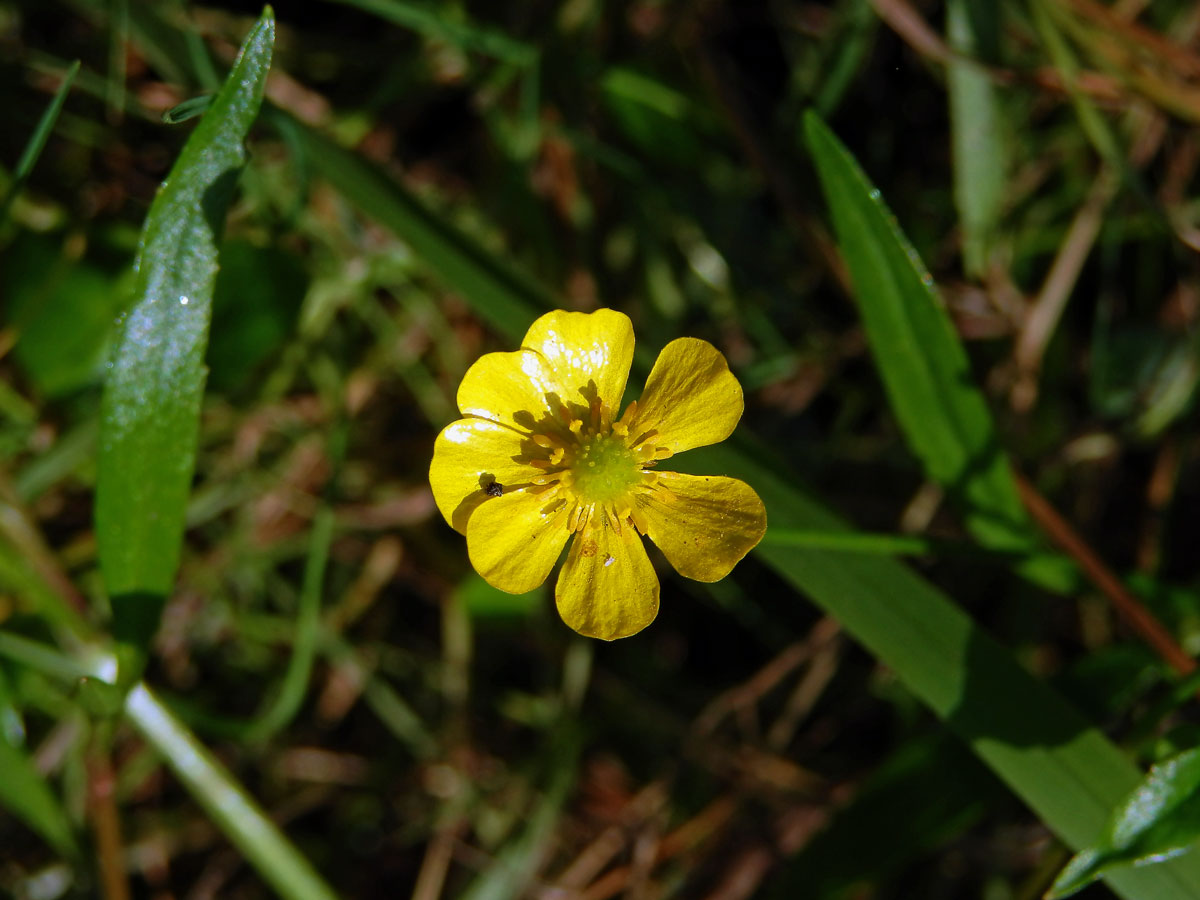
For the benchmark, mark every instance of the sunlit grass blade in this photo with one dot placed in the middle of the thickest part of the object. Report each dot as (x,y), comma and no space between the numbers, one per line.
(151,404)
(37,141)
(25,794)
(246,825)
(924,368)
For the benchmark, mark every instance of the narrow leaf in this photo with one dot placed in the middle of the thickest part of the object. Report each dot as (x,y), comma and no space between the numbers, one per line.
(151,405)
(37,140)
(1159,820)
(924,368)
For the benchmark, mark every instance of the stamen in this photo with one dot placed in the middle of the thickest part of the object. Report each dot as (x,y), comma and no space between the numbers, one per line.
(630,414)
(614,519)
(667,495)
(557,456)
(547,441)
(576,426)
(663,452)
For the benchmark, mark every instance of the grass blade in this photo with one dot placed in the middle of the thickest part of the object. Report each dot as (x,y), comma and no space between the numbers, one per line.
(247,826)
(151,405)
(37,141)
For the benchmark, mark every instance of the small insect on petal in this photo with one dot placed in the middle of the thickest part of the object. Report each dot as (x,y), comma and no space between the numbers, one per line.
(495,489)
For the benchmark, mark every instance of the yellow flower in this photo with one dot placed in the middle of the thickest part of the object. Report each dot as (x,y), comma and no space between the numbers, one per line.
(540,455)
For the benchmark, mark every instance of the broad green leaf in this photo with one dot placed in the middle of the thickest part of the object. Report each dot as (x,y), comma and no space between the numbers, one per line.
(25,794)
(151,406)
(1066,770)
(1159,820)
(980,161)
(924,368)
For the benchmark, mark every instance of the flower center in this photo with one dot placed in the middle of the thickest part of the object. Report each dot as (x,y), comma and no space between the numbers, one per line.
(593,468)
(604,468)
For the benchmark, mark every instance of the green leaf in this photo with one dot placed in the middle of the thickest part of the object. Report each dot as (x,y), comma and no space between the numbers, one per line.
(188,109)
(25,794)
(151,406)
(1159,820)
(924,368)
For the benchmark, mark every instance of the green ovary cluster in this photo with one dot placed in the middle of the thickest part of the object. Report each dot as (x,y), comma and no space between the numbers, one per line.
(603,469)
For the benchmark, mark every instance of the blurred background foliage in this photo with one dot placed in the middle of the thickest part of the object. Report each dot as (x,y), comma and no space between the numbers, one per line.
(646,155)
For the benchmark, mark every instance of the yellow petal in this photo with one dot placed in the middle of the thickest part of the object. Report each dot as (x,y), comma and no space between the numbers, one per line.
(589,352)
(705,525)
(468,456)
(691,397)
(514,540)
(511,388)
(607,588)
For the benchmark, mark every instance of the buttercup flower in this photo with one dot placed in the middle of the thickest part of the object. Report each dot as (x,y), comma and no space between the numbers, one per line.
(540,455)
